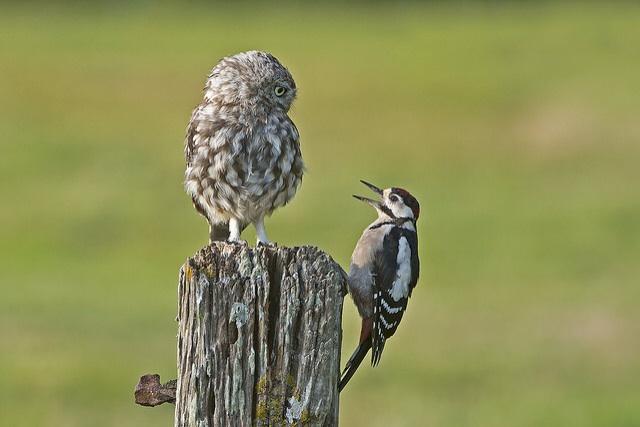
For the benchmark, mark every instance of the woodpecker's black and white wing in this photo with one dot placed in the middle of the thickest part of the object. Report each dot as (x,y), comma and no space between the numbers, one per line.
(396,274)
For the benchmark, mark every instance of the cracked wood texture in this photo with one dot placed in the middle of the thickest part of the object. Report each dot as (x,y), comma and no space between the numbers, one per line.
(259,337)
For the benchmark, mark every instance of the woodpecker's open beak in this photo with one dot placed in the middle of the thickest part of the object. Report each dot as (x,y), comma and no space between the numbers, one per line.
(372,187)
(376,204)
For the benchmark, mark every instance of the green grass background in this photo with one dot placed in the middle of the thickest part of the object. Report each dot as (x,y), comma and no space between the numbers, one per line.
(516,126)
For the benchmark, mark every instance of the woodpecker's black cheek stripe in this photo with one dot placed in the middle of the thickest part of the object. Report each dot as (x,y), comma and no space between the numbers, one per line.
(381,224)
(398,221)
(387,211)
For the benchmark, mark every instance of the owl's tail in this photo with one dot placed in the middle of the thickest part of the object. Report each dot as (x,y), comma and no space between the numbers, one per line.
(218,232)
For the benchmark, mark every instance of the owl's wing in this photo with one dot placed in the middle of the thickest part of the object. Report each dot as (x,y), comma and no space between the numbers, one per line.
(199,130)
(189,141)
(202,126)
(297,167)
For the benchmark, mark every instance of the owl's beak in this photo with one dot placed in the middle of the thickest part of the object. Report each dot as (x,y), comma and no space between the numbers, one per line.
(376,204)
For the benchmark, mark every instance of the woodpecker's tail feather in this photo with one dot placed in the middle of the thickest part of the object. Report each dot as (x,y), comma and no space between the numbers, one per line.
(353,363)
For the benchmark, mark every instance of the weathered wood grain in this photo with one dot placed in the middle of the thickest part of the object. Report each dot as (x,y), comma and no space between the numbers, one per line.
(259,337)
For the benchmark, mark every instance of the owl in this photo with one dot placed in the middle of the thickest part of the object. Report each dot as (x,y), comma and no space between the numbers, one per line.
(242,150)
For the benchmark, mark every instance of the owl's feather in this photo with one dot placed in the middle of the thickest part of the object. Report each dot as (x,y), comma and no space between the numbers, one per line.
(242,150)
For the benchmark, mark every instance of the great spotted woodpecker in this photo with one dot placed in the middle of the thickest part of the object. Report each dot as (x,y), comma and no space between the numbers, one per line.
(384,270)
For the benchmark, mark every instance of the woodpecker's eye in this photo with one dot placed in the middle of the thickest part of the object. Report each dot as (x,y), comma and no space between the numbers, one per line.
(280,90)
(393,198)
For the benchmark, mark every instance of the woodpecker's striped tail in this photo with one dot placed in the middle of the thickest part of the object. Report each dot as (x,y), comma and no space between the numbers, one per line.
(354,361)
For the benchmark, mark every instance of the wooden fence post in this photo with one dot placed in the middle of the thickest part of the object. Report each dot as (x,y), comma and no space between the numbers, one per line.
(259,337)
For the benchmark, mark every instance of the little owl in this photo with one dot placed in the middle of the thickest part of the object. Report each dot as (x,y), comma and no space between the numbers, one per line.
(242,149)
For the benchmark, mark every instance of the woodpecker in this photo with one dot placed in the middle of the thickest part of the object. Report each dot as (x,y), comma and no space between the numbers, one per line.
(384,270)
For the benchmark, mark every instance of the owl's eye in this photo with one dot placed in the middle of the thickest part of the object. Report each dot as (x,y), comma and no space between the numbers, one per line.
(280,90)
(393,198)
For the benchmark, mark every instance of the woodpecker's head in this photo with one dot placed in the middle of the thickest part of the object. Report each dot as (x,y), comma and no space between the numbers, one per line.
(396,203)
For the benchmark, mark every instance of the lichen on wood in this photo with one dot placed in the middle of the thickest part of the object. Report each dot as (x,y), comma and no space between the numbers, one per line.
(259,337)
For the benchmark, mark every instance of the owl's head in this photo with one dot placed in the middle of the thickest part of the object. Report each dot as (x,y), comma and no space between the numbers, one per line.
(251,79)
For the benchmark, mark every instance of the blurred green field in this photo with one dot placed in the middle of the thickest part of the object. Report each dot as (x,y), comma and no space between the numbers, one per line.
(517,127)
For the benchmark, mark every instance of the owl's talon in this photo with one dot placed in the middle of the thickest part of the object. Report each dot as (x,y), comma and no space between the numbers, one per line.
(238,242)
(267,244)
